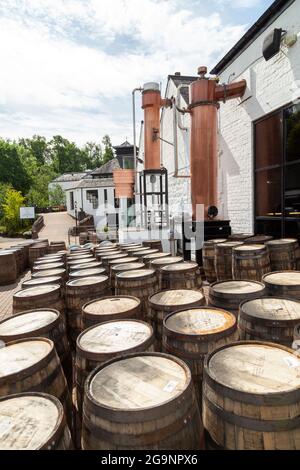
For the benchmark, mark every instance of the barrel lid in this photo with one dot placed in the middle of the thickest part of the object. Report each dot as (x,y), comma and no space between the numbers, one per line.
(141,248)
(92,264)
(283,241)
(253,247)
(255,367)
(111,305)
(229,243)
(237,287)
(272,308)
(147,252)
(6,252)
(160,254)
(20,355)
(139,382)
(49,272)
(80,261)
(37,290)
(167,260)
(115,256)
(115,336)
(128,259)
(185,266)
(42,267)
(214,241)
(28,421)
(42,280)
(87,272)
(127,266)
(285,278)
(87,281)
(176,297)
(153,240)
(200,321)
(28,321)
(136,273)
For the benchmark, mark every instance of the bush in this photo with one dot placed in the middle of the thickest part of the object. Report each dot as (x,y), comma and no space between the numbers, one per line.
(13,200)
(57,196)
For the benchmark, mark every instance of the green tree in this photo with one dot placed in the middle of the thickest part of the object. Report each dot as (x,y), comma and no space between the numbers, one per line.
(108,153)
(92,155)
(3,189)
(38,147)
(66,156)
(12,170)
(57,195)
(13,200)
(38,195)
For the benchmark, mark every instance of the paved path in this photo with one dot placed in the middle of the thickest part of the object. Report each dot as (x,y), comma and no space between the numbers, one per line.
(6,295)
(7,242)
(56,226)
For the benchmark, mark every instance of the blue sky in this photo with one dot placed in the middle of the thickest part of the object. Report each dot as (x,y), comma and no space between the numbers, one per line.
(68,66)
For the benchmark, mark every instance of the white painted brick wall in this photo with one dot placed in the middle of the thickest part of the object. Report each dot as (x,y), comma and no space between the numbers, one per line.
(271,85)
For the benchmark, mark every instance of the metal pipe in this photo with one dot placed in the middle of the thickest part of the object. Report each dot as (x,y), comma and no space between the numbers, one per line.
(134,135)
(175,137)
(180,125)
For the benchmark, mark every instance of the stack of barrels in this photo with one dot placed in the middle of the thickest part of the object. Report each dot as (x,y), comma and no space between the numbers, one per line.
(120,348)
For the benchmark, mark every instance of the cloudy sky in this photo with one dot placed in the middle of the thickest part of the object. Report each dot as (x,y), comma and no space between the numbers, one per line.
(68,66)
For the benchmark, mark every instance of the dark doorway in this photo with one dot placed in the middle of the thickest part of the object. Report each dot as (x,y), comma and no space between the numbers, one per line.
(277,173)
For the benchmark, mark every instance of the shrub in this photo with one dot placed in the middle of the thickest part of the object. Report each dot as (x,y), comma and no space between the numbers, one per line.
(13,200)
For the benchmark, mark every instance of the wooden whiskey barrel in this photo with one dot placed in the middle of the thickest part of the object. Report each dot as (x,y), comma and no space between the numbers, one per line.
(251,396)
(51,272)
(250,262)
(92,265)
(110,308)
(48,261)
(156,244)
(240,237)
(117,261)
(78,292)
(208,258)
(121,267)
(141,254)
(42,281)
(283,284)
(223,259)
(141,401)
(32,365)
(20,257)
(83,238)
(47,266)
(47,323)
(192,333)
(136,250)
(55,247)
(170,300)
(283,254)
(159,263)
(36,251)
(39,297)
(106,259)
(125,246)
(8,268)
(258,239)
(229,294)
(152,256)
(87,273)
(269,319)
(33,421)
(103,342)
(184,275)
(140,283)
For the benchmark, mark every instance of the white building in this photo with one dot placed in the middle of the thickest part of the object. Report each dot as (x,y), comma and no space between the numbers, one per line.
(67,180)
(259,134)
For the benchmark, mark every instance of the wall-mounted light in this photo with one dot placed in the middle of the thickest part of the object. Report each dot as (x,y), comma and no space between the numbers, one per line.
(271,44)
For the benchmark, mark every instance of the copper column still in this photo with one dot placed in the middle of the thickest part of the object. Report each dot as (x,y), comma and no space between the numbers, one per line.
(205,94)
(151,104)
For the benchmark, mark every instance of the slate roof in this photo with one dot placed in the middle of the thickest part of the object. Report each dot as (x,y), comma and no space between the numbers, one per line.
(93,183)
(107,168)
(70,177)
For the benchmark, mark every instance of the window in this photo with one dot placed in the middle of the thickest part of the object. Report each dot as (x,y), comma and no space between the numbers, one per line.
(116,201)
(277,172)
(128,163)
(105,196)
(92,197)
(71,200)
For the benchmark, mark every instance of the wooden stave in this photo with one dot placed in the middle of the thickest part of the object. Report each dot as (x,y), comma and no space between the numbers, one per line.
(283,257)
(208,258)
(9,270)
(89,320)
(251,266)
(55,383)
(189,278)
(75,299)
(253,400)
(187,402)
(223,260)
(273,328)
(232,305)
(87,361)
(60,439)
(162,311)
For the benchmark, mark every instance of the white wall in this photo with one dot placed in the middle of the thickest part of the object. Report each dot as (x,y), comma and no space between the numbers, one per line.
(271,85)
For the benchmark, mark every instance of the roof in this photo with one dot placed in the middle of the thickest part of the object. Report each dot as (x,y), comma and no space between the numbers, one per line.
(93,183)
(107,168)
(267,18)
(183,79)
(70,177)
(125,144)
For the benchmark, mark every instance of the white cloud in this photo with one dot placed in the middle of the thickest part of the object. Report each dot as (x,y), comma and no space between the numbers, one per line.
(59,73)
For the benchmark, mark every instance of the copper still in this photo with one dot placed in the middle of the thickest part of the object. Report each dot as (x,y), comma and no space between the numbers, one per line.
(205,94)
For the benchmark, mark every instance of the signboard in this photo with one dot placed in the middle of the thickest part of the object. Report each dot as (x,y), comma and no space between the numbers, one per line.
(27,213)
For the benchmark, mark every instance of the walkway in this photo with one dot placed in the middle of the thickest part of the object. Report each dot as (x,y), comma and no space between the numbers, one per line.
(56,226)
